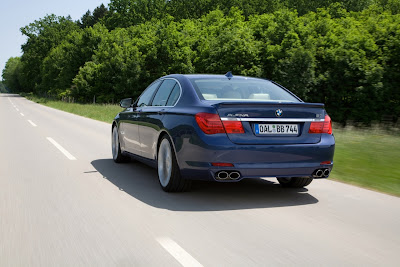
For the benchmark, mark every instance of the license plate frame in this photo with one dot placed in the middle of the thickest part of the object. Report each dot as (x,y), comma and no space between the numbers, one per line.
(281,129)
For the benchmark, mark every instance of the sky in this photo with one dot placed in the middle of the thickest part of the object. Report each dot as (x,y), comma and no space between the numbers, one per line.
(15,14)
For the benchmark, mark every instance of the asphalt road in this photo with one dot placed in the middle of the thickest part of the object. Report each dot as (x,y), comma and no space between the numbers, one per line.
(64,202)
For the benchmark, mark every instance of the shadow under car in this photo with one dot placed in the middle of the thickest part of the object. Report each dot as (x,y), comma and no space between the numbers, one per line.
(141,182)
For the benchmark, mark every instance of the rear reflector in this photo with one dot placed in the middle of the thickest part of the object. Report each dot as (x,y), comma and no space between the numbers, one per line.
(221,164)
(325,162)
(321,126)
(211,123)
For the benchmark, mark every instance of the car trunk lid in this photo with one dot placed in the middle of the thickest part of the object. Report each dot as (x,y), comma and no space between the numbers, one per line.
(272,123)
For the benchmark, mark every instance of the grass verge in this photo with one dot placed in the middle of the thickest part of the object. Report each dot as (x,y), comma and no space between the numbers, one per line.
(100,112)
(365,158)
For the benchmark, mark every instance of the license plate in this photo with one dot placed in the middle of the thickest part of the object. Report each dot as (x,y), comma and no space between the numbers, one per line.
(277,129)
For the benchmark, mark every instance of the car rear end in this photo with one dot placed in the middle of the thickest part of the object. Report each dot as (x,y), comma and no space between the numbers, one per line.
(257,130)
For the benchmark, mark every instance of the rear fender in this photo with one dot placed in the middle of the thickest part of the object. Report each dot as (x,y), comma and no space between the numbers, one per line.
(160,137)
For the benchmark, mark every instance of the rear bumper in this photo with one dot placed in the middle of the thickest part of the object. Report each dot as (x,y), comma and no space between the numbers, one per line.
(209,174)
(255,161)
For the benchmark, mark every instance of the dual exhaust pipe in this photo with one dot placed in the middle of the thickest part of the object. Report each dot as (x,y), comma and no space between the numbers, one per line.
(321,173)
(235,175)
(227,175)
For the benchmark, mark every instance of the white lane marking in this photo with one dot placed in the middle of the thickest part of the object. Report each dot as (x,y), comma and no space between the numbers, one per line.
(57,145)
(22,114)
(34,125)
(17,109)
(178,252)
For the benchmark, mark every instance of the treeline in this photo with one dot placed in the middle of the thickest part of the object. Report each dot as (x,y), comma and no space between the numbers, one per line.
(3,89)
(345,54)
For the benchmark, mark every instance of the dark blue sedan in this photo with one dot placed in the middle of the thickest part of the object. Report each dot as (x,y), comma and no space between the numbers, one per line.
(224,128)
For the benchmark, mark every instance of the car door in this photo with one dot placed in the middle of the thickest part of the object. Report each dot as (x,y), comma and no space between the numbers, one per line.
(129,131)
(151,116)
(130,124)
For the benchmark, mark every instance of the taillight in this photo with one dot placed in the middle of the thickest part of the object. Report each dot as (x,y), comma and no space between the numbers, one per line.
(321,126)
(211,123)
(233,127)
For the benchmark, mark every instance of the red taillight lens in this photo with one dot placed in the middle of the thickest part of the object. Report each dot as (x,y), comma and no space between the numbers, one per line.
(321,126)
(233,127)
(327,125)
(209,123)
(222,164)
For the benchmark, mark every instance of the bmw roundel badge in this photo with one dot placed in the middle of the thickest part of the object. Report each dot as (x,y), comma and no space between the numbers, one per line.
(278,112)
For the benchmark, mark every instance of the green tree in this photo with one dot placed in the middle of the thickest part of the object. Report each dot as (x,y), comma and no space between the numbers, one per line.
(286,51)
(306,6)
(42,35)
(12,74)
(127,60)
(89,19)
(385,29)
(349,74)
(3,88)
(226,43)
(328,56)
(189,9)
(62,64)
(392,6)
(166,46)
(125,13)
(113,70)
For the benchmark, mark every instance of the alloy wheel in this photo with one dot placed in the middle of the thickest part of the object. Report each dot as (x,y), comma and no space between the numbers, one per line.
(164,162)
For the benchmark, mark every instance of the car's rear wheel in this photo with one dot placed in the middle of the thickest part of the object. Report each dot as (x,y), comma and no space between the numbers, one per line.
(296,182)
(116,148)
(169,174)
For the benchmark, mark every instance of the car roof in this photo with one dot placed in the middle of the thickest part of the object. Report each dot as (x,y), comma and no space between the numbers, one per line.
(191,76)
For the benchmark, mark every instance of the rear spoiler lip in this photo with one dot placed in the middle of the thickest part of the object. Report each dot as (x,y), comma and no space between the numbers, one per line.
(276,120)
(219,104)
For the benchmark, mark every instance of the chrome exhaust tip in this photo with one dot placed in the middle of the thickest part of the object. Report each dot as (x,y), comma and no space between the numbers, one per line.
(326,172)
(319,173)
(222,175)
(234,175)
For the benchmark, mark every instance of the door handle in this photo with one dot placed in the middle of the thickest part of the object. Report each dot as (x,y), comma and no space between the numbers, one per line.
(161,112)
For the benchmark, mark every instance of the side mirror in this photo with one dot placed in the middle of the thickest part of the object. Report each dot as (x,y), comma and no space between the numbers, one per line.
(126,103)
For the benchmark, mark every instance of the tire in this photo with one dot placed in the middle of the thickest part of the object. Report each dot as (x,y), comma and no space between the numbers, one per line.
(169,174)
(295,182)
(118,157)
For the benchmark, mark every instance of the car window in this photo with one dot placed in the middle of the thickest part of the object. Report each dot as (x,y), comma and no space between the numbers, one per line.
(173,97)
(161,97)
(146,96)
(240,89)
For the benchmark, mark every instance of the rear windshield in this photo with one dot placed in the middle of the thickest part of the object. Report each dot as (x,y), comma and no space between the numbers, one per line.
(240,89)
